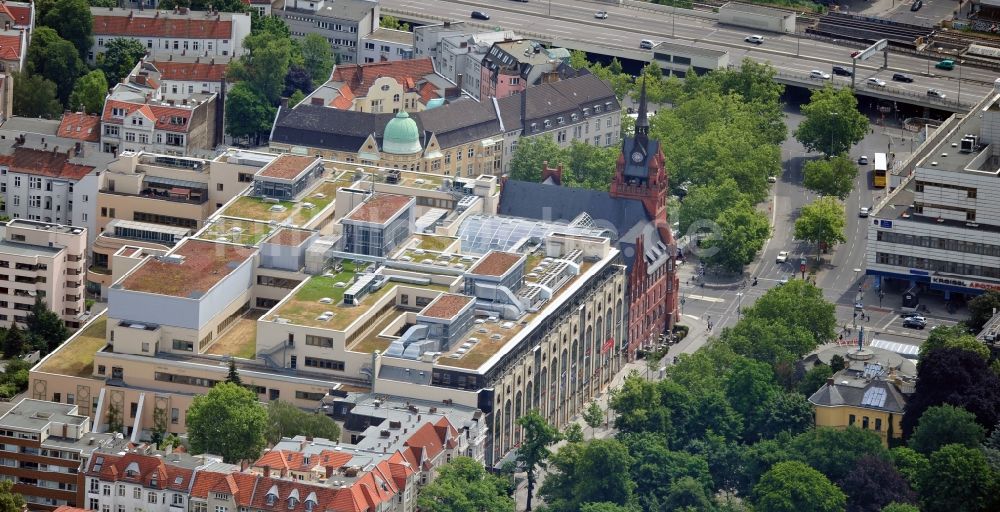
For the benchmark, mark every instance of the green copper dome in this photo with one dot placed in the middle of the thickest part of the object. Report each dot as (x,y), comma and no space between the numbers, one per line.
(401,137)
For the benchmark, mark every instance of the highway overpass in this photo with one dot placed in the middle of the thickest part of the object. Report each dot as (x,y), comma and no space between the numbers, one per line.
(571,24)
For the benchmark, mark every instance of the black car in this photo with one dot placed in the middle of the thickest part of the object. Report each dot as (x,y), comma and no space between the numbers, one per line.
(917,5)
(841,71)
(901,77)
(480,15)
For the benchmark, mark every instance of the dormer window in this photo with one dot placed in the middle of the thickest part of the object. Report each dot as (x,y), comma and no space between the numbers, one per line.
(153,480)
(272,495)
(548,123)
(597,109)
(574,116)
(534,127)
(560,120)
(293,499)
(310,502)
(132,470)
(117,112)
(586,111)
(607,105)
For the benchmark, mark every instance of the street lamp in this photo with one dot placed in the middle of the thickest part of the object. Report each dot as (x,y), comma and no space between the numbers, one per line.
(958,101)
(739,305)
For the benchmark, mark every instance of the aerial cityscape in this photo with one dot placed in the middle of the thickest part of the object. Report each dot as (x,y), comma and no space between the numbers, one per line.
(470,256)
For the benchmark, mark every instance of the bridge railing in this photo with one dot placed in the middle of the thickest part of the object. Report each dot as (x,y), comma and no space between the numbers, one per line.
(945,103)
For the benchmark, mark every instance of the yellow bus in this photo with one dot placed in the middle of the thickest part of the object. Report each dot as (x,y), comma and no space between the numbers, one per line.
(881,167)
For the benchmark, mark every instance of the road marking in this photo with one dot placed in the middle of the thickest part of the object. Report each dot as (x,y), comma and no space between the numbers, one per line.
(891,320)
(693,317)
(704,298)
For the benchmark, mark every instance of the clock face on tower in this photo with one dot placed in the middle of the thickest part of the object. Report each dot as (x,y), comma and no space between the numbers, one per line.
(637,157)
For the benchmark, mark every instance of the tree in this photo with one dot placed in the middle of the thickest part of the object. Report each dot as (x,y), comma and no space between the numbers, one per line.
(837,363)
(228,421)
(958,479)
(596,471)
(604,506)
(946,424)
(115,422)
(814,379)
(655,468)
(573,433)
(298,79)
(593,416)
(910,464)
(954,336)
(590,166)
(742,233)
(981,309)
(159,425)
(272,26)
(835,452)
(704,203)
(687,494)
(797,304)
(822,223)
(203,5)
(317,57)
(534,451)
(119,57)
(56,59)
(89,93)
(463,485)
(832,177)
(10,501)
(832,122)
(248,114)
(795,487)
(873,484)
(13,343)
(264,65)
(286,420)
(391,22)
(957,377)
(900,507)
(46,328)
(531,156)
(74,23)
(234,375)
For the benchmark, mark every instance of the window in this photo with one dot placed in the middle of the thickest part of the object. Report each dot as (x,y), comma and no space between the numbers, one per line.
(174,415)
(94,487)
(17,181)
(305,395)
(864,422)
(143,138)
(851,419)
(369,46)
(17,200)
(106,490)
(220,508)
(145,346)
(175,139)
(472,152)
(878,424)
(137,493)
(319,341)
(151,497)
(326,364)
(94,504)
(129,136)
(121,490)
(34,182)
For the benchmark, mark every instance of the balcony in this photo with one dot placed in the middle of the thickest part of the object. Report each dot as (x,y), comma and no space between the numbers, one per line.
(28,280)
(72,298)
(72,284)
(71,312)
(74,258)
(24,266)
(73,272)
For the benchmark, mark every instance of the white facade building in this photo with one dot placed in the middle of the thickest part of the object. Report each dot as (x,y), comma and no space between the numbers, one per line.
(180,32)
(386,44)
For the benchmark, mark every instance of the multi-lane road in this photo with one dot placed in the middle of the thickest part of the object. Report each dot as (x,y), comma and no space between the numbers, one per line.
(573,20)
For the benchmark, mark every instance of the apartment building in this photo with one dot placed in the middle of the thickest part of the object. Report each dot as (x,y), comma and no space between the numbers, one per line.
(178,32)
(141,114)
(386,44)
(185,77)
(936,233)
(342,22)
(42,260)
(150,202)
(383,87)
(46,447)
(546,331)
(510,66)
(84,128)
(18,15)
(458,51)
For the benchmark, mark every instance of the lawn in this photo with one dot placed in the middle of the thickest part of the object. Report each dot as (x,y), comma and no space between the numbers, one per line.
(255,208)
(240,340)
(434,243)
(76,356)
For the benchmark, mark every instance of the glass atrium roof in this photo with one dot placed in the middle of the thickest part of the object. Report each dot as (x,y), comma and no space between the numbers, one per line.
(480,234)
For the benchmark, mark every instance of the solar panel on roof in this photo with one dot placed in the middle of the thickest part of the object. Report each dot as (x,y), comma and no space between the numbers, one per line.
(874,397)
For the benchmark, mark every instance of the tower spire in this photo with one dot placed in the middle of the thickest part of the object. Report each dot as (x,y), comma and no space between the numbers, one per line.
(642,121)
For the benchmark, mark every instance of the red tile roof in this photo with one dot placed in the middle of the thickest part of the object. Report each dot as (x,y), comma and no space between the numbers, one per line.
(287,167)
(162,114)
(147,470)
(360,77)
(284,460)
(142,26)
(447,305)
(495,263)
(52,164)
(67,508)
(10,47)
(380,208)
(425,444)
(368,492)
(191,71)
(80,126)
(20,14)
(344,100)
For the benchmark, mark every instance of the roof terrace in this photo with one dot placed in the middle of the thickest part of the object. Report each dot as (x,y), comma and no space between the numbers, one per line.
(437,259)
(189,271)
(298,213)
(75,357)
(384,175)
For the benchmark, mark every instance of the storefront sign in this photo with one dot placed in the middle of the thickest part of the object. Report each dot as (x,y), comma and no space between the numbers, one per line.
(978,285)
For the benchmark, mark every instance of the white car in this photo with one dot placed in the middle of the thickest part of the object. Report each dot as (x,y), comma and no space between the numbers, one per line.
(863,212)
(601,15)
(782,257)
(772,179)
(755,39)
(863,160)
(819,74)
(875,82)
(935,93)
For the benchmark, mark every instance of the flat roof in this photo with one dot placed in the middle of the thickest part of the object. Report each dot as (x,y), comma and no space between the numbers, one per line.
(950,145)
(290,237)
(38,225)
(19,249)
(287,166)
(30,414)
(495,263)
(380,208)
(391,36)
(446,306)
(189,271)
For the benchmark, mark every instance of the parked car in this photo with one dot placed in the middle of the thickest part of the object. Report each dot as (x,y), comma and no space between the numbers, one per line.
(915,322)
(859,306)
(902,77)
(917,5)
(875,82)
(946,64)
(934,93)
(841,71)
(646,44)
(782,257)
(480,15)
(822,75)
(863,160)
(772,179)
(601,15)
(863,212)
(755,39)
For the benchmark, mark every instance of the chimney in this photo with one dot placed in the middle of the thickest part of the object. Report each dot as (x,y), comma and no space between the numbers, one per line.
(140,79)
(829,381)
(555,174)
(315,101)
